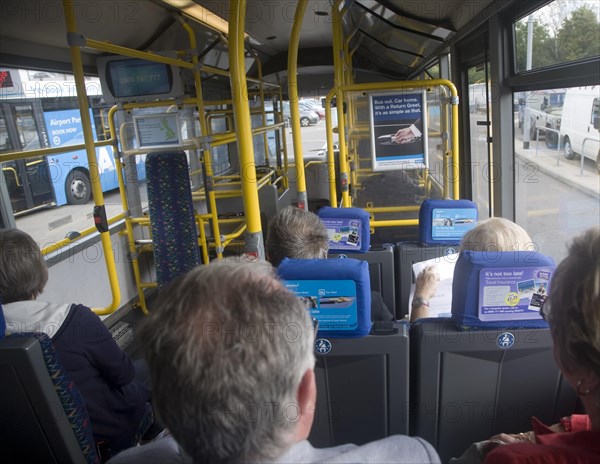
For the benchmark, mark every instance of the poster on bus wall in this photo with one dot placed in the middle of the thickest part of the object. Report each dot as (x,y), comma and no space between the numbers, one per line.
(398,130)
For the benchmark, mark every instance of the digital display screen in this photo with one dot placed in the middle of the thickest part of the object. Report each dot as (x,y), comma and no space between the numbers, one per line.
(452,223)
(135,77)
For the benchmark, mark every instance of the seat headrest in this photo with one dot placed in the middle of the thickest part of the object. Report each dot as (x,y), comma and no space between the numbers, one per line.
(444,222)
(336,291)
(500,289)
(2,321)
(348,229)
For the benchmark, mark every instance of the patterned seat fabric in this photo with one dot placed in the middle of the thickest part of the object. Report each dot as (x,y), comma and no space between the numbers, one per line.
(174,234)
(69,395)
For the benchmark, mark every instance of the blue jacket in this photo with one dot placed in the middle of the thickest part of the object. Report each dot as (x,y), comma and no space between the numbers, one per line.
(103,373)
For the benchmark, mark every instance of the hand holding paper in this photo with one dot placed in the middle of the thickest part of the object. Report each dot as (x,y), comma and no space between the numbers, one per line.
(438,291)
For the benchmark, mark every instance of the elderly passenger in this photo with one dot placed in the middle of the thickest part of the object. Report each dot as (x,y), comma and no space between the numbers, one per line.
(572,309)
(494,234)
(230,351)
(300,234)
(104,374)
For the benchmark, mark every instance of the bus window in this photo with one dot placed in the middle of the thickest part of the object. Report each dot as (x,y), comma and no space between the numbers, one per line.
(5,143)
(44,113)
(556,179)
(26,127)
(480,129)
(560,32)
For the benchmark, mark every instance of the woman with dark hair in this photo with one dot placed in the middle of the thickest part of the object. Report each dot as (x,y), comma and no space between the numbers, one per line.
(104,374)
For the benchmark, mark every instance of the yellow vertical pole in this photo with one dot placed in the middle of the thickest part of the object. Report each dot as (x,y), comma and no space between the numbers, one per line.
(455,171)
(75,41)
(294,112)
(206,153)
(338,63)
(239,91)
(330,154)
(352,146)
(285,168)
(261,91)
(128,223)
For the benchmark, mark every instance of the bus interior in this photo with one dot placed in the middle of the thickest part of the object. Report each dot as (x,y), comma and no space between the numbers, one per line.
(119,117)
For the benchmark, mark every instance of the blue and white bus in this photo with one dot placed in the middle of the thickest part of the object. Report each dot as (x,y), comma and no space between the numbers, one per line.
(40,110)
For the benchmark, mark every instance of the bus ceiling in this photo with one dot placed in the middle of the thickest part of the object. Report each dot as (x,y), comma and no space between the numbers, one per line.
(385,37)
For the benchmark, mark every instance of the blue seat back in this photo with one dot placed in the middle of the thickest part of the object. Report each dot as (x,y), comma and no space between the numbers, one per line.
(444,222)
(337,292)
(174,234)
(348,229)
(493,289)
(44,414)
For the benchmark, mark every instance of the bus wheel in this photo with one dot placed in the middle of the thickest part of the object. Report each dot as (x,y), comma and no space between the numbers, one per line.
(78,188)
(569,153)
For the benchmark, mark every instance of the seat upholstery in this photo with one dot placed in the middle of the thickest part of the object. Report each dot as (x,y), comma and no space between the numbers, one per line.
(174,234)
(49,420)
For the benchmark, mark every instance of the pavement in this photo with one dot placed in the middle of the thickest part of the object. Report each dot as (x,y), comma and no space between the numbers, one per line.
(552,162)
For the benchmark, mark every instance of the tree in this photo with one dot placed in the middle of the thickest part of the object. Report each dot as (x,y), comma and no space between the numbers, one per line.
(580,35)
(542,47)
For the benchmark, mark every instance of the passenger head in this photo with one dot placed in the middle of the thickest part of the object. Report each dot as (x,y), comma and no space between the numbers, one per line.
(573,312)
(23,272)
(296,233)
(230,355)
(496,234)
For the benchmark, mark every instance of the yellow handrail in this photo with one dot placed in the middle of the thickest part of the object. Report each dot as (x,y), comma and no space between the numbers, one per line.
(393,85)
(207,155)
(338,63)
(294,111)
(330,153)
(254,240)
(88,138)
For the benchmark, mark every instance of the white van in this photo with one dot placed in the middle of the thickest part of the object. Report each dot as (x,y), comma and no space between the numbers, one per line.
(579,123)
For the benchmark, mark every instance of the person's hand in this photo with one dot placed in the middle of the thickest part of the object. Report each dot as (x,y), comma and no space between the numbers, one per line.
(403,135)
(427,283)
(510,438)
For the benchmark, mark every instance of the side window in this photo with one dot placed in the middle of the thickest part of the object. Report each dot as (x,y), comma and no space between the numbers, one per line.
(595,112)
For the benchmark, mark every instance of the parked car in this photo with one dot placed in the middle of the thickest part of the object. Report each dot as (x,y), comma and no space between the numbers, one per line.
(307,116)
(312,105)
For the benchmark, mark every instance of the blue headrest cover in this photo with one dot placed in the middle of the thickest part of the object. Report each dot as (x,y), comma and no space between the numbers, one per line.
(2,320)
(342,217)
(453,237)
(336,269)
(466,285)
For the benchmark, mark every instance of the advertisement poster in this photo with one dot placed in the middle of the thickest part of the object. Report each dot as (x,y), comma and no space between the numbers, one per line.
(452,223)
(398,131)
(331,302)
(157,130)
(512,293)
(344,234)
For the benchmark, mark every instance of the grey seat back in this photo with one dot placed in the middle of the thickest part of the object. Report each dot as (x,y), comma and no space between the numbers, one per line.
(469,385)
(35,426)
(362,389)
(381,271)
